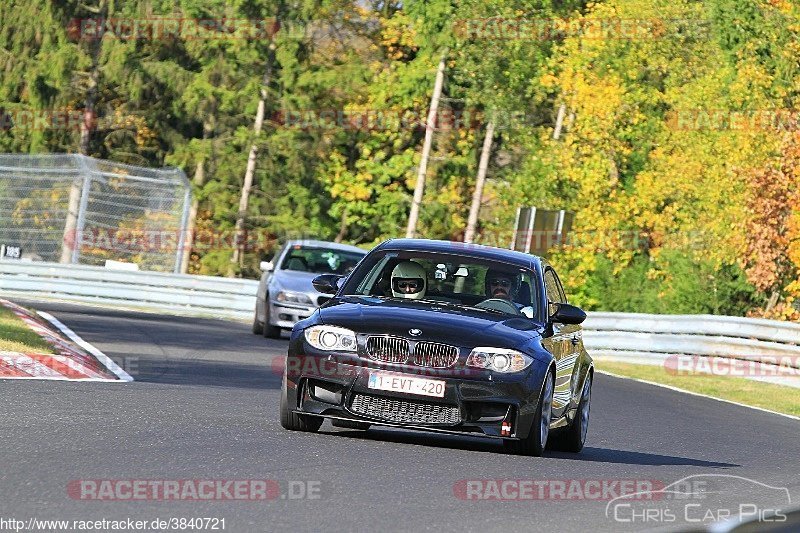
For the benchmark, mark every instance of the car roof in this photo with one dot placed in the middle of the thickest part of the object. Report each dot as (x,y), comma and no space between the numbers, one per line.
(460,248)
(326,244)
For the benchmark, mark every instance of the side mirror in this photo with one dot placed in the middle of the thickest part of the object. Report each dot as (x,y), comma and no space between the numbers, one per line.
(568,314)
(267,266)
(327,283)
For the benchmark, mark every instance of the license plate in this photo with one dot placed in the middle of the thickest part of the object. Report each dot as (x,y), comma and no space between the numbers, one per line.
(406,384)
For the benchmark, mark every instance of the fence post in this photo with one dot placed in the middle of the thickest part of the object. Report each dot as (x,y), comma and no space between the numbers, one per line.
(81,221)
(180,254)
(71,223)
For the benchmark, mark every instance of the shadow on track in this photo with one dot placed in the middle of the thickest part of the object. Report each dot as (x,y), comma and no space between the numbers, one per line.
(420,438)
(609,455)
(478,444)
(206,373)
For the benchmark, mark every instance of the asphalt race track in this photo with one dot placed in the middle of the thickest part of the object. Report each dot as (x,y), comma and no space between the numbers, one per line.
(204,406)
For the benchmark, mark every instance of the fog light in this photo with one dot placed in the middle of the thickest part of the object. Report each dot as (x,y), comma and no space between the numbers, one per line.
(326,392)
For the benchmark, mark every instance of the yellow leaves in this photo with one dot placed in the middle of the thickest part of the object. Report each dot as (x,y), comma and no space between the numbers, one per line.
(398,36)
(343,183)
(548,80)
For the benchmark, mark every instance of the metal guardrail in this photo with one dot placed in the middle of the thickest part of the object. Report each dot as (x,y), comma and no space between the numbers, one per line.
(641,337)
(624,335)
(153,291)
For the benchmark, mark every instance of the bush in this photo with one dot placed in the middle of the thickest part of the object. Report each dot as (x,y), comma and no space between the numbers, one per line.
(676,283)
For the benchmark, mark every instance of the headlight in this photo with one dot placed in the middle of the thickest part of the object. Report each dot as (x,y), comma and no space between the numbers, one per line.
(498,359)
(331,338)
(293,297)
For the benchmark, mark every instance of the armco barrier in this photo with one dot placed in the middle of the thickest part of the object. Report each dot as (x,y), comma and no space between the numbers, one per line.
(625,335)
(156,291)
(640,337)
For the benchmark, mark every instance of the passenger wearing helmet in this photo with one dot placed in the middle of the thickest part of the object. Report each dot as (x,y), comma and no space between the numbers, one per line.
(502,285)
(408,281)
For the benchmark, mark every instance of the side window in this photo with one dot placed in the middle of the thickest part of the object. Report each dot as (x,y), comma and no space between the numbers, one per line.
(560,288)
(554,292)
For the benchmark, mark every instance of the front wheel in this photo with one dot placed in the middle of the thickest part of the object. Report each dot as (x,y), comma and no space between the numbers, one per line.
(258,327)
(294,421)
(534,444)
(573,438)
(270,331)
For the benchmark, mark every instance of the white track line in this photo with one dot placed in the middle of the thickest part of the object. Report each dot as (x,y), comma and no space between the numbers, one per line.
(676,389)
(103,358)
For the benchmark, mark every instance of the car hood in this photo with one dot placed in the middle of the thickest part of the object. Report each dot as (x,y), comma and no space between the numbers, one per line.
(292,280)
(447,324)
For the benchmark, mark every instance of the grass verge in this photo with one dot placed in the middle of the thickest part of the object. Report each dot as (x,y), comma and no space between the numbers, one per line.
(765,395)
(16,336)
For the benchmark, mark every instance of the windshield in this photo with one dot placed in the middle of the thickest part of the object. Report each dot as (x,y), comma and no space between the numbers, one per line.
(320,260)
(491,286)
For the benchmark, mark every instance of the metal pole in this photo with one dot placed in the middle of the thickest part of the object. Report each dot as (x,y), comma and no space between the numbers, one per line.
(76,252)
(181,253)
(516,230)
(530,231)
(71,222)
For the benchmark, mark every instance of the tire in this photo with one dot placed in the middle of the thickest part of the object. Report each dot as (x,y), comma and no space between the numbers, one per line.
(296,422)
(270,331)
(536,441)
(258,327)
(573,437)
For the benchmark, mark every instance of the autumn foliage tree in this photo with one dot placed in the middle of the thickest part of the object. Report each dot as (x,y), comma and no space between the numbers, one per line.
(771,259)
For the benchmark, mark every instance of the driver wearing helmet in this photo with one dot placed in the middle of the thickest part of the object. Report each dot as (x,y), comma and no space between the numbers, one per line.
(408,281)
(502,285)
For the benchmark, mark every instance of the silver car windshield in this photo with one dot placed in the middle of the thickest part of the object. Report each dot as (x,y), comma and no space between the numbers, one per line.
(320,260)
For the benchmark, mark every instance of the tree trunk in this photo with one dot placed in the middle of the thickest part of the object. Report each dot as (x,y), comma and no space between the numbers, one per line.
(70,237)
(562,110)
(342,227)
(198,180)
(419,188)
(773,301)
(244,199)
(483,165)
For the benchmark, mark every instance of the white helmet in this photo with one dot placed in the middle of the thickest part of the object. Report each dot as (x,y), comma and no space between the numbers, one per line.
(408,281)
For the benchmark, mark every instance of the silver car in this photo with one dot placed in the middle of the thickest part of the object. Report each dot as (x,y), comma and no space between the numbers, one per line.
(285,294)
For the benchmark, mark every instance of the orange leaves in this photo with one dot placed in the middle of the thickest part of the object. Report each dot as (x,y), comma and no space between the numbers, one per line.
(772,255)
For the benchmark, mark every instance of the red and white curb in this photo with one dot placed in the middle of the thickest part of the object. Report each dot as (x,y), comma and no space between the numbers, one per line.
(74,361)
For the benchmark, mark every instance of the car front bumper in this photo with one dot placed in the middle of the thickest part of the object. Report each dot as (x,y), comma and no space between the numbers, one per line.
(286,315)
(475,402)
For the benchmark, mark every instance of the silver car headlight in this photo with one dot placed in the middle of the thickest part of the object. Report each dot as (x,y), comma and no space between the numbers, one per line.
(498,359)
(293,297)
(331,338)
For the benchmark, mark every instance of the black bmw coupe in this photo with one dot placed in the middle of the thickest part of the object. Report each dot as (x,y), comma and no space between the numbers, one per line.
(446,337)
